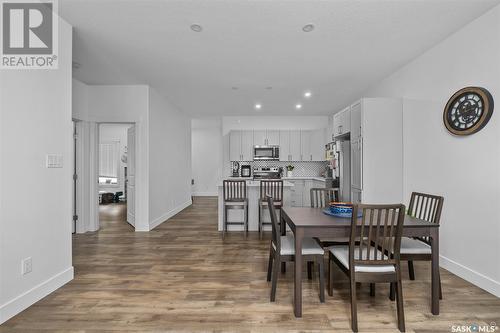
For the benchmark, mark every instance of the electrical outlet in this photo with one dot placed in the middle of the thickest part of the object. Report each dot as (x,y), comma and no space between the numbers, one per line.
(27,266)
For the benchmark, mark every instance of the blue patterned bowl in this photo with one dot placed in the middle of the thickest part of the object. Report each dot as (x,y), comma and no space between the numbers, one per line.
(341,209)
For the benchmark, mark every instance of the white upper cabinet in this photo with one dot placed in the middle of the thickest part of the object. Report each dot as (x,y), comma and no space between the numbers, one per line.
(241,145)
(259,138)
(295,148)
(318,145)
(247,139)
(342,122)
(356,125)
(305,146)
(235,146)
(273,138)
(284,143)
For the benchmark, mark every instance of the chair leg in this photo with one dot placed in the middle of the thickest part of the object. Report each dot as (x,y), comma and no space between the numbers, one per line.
(354,308)
(399,303)
(440,289)
(330,275)
(309,269)
(224,222)
(246,221)
(321,267)
(274,278)
(372,289)
(411,270)
(391,291)
(260,222)
(270,264)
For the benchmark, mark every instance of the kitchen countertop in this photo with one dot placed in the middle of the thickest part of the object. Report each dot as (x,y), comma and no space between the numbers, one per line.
(254,183)
(322,179)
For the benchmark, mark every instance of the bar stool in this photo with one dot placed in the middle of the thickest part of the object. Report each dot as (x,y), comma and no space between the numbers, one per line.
(235,197)
(273,188)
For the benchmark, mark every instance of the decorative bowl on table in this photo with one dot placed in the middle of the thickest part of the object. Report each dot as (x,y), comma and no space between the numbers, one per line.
(340,209)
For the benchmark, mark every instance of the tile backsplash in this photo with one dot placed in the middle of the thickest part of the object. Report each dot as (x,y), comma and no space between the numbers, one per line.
(302,169)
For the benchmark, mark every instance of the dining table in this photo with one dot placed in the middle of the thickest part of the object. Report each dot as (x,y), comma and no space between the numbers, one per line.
(313,222)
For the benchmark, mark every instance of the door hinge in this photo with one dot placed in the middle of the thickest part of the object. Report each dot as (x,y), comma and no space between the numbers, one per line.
(75,176)
(75,217)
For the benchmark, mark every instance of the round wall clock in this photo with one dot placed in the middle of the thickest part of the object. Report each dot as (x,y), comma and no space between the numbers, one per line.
(468,110)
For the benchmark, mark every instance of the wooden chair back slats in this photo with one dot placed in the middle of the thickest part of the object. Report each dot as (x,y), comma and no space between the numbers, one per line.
(321,197)
(234,190)
(426,207)
(376,232)
(276,239)
(273,188)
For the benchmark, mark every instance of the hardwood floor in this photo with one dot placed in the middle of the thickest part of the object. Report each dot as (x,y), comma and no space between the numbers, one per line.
(182,277)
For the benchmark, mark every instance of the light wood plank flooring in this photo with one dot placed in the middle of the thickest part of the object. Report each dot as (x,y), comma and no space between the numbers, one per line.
(181,277)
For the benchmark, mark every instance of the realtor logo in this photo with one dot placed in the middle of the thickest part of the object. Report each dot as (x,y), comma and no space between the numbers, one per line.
(29,34)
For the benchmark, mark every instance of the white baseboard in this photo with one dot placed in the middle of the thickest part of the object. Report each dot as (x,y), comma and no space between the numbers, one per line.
(205,194)
(478,279)
(30,297)
(156,222)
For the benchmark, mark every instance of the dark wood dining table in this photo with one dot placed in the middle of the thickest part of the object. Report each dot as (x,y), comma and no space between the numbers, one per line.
(313,222)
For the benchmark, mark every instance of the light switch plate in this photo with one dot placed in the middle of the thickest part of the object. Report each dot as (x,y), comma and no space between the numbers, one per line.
(27,266)
(54,161)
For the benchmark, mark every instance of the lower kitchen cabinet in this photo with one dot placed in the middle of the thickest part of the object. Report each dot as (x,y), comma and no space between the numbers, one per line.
(301,191)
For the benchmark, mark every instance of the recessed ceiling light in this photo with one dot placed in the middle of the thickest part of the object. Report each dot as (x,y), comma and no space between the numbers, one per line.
(196,27)
(308,28)
(298,106)
(307,94)
(258,106)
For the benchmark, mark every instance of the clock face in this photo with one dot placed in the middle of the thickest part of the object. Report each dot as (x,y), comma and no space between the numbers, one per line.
(468,111)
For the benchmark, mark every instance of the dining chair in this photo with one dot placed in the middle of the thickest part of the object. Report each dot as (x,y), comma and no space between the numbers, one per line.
(426,207)
(282,249)
(321,198)
(377,232)
(273,188)
(235,197)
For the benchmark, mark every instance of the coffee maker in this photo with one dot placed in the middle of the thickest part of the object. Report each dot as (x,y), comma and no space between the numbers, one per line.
(235,169)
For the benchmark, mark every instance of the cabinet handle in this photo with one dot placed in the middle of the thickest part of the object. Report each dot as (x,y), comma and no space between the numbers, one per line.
(311,157)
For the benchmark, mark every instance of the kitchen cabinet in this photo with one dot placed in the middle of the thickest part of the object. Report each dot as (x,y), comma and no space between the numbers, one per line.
(296,193)
(284,143)
(342,122)
(305,146)
(241,145)
(266,138)
(295,145)
(318,145)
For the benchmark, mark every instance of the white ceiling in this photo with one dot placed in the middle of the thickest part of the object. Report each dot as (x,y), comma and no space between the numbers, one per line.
(257,44)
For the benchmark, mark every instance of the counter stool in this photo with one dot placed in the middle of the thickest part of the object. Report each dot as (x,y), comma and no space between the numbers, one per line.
(235,197)
(273,188)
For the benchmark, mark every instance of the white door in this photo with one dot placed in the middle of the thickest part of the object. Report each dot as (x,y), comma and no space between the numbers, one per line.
(130,181)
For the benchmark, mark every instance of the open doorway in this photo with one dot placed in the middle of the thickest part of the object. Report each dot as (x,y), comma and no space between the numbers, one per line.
(116,175)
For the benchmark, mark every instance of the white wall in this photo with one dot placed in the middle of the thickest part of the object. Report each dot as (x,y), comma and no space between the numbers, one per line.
(115,133)
(35,202)
(464,170)
(170,159)
(117,103)
(207,155)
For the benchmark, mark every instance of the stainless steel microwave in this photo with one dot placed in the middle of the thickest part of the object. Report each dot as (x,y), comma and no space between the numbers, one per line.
(268,153)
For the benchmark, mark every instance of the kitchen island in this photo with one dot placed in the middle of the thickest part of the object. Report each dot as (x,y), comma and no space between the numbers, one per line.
(253,191)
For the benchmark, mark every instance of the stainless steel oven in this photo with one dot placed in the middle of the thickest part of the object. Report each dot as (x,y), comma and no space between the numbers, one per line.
(268,153)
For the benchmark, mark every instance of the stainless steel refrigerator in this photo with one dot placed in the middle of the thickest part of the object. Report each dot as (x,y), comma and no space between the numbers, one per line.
(343,168)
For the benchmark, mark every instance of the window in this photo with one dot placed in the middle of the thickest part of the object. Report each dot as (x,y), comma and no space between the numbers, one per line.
(108,163)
